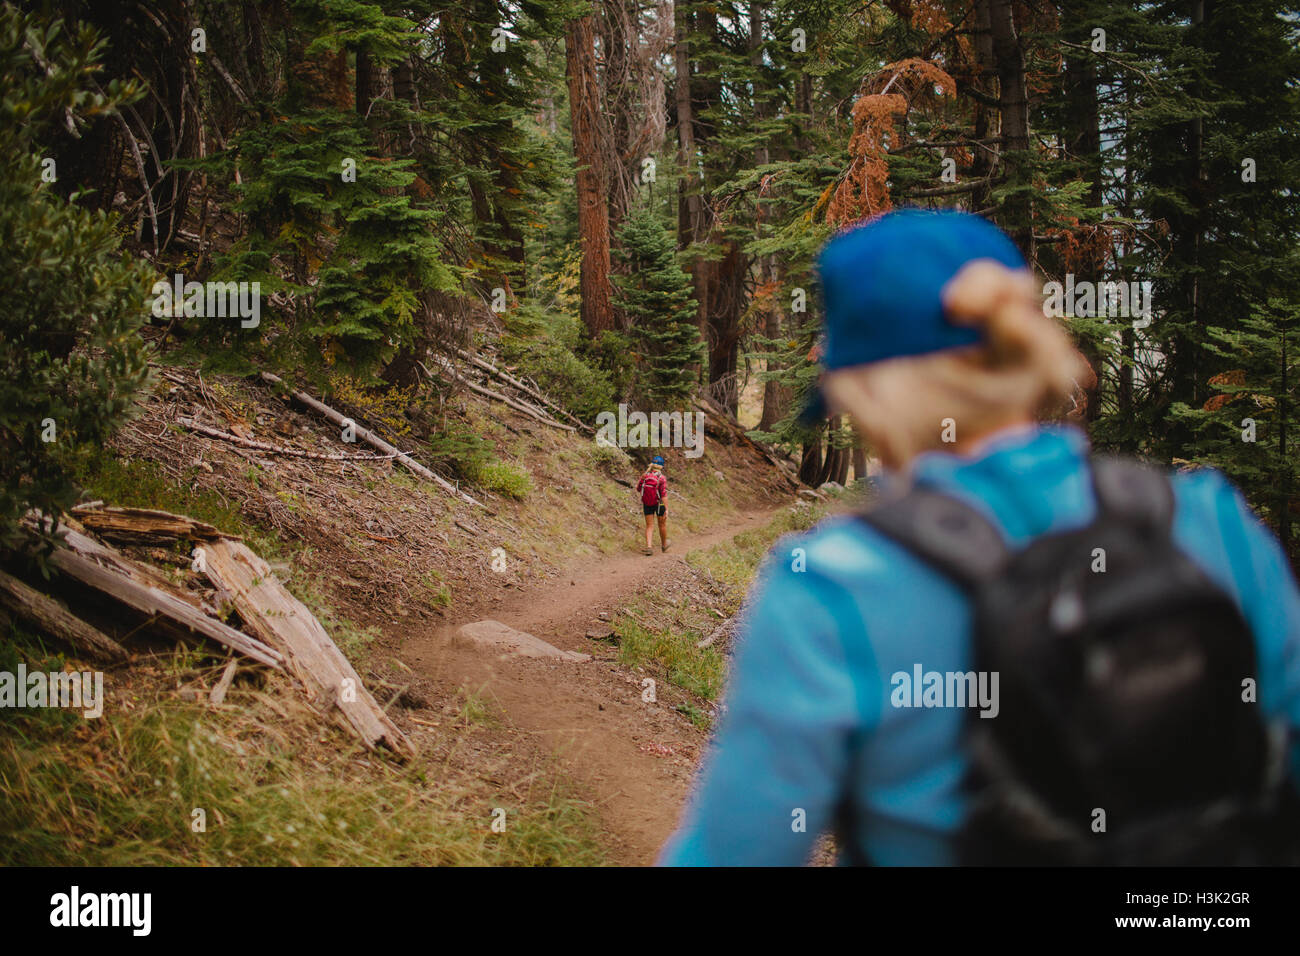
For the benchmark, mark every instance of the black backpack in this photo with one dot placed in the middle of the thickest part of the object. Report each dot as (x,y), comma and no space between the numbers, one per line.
(1124,733)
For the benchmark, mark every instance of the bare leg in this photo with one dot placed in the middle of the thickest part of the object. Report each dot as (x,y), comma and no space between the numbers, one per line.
(663,531)
(649,530)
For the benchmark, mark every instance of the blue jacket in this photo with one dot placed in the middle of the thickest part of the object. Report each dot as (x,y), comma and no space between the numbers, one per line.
(808,720)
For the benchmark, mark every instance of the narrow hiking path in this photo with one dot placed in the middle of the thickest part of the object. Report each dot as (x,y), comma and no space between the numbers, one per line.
(633,758)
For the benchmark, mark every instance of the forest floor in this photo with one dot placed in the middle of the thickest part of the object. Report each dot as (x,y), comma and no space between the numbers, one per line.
(587,767)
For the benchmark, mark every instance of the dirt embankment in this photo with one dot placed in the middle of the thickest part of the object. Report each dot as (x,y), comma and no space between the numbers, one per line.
(406,565)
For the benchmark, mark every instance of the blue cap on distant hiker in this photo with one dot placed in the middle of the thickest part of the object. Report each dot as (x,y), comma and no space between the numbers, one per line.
(657,460)
(882,285)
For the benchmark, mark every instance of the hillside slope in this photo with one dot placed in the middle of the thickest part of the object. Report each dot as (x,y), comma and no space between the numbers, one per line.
(591,765)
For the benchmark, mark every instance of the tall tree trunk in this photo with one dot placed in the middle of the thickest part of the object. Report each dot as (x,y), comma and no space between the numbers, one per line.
(592,178)
(831,464)
(617,29)
(367,82)
(983,160)
(841,475)
(1083,141)
(690,204)
(724,308)
(1013,106)
(720,281)
(810,465)
(1128,337)
(859,458)
(775,399)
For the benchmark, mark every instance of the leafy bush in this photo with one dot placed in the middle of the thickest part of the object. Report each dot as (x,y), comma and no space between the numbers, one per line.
(383,408)
(459,449)
(70,358)
(505,479)
(548,348)
(608,459)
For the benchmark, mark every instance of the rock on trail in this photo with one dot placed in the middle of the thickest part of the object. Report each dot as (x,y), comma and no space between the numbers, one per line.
(494,635)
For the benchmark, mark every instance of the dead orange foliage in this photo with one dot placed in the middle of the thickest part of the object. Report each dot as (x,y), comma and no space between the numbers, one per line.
(887,96)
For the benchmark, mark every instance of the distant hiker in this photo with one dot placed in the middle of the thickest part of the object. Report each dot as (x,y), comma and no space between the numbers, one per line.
(653,488)
(1021,654)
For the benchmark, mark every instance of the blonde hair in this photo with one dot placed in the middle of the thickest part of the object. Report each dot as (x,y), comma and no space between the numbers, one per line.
(1025,369)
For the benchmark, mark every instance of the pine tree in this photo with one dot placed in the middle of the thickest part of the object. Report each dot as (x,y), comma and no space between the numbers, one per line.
(1249,429)
(656,295)
(70,355)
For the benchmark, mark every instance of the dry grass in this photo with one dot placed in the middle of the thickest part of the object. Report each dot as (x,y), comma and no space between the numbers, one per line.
(273,784)
(366,546)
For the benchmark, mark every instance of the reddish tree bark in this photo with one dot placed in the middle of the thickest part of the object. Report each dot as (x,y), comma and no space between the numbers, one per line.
(592,178)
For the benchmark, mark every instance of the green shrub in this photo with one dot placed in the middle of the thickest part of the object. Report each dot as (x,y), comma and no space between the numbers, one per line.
(505,479)
(460,450)
(70,358)
(549,348)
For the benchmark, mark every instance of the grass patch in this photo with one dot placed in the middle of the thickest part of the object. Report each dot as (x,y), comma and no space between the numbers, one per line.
(475,709)
(505,479)
(275,787)
(437,590)
(660,634)
(733,564)
(138,483)
(671,652)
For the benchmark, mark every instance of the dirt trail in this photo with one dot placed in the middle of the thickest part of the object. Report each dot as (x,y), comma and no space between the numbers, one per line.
(635,759)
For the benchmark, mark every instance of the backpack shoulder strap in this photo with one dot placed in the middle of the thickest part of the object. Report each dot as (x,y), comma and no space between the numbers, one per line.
(944,532)
(1133,492)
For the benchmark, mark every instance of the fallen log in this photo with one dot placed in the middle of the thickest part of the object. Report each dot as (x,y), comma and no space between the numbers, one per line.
(373,440)
(137,525)
(529,410)
(524,387)
(283,622)
(234,439)
(78,560)
(72,532)
(44,613)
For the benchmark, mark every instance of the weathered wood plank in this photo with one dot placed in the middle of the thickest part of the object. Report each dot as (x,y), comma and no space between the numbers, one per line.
(50,616)
(145,524)
(218,695)
(83,559)
(282,621)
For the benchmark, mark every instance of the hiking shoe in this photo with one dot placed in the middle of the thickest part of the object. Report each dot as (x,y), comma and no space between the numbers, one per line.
(664,546)
(648,551)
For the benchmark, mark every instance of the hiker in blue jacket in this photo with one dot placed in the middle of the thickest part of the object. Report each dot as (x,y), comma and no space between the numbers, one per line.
(938,350)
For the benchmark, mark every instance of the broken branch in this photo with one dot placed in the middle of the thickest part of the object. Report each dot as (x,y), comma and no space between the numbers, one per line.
(194,426)
(373,440)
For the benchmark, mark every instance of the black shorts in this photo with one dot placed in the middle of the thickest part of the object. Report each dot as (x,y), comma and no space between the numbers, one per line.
(659,510)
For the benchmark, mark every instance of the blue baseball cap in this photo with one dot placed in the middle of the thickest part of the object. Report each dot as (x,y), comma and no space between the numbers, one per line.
(882,285)
(657,460)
